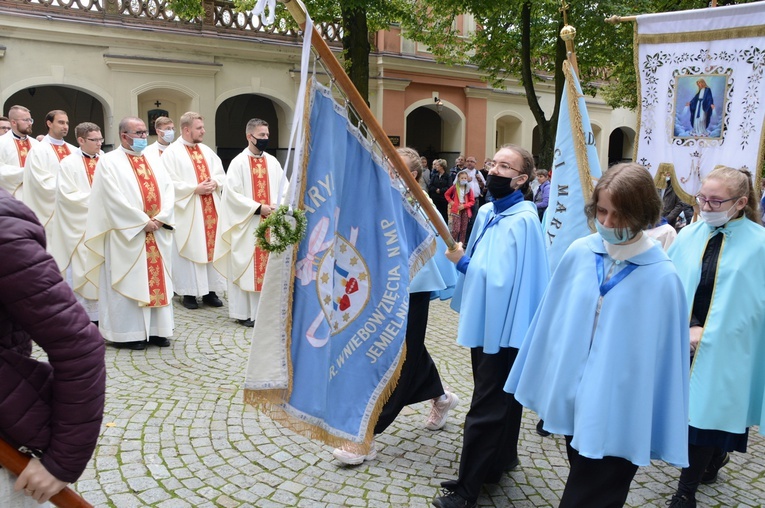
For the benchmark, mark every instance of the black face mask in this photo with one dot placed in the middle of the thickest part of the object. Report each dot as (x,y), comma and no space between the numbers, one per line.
(499,186)
(261,144)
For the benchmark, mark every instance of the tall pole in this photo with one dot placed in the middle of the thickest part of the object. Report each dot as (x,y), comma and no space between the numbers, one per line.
(568,33)
(297,10)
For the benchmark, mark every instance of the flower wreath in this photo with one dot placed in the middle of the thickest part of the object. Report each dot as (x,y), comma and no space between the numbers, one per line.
(283,233)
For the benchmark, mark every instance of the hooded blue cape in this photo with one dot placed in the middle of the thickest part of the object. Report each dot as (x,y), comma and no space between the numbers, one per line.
(505,280)
(728,371)
(619,385)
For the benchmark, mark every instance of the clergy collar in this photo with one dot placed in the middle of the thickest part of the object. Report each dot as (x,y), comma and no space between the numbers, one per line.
(54,141)
(19,137)
(639,253)
(186,143)
(131,152)
(253,154)
(85,154)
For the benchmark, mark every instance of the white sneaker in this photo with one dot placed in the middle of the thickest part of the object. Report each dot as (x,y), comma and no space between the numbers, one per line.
(440,411)
(354,459)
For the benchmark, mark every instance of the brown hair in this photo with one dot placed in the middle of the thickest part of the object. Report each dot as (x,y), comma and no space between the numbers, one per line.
(526,169)
(188,118)
(52,114)
(161,121)
(739,183)
(82,129)
(412,160)
(636,202)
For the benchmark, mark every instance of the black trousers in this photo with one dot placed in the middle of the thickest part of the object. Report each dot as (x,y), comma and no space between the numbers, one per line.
(492,425)
(419,379)
(596,483)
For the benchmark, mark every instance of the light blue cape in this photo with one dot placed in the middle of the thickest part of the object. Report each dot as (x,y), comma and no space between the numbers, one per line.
(505,280)
(626,393)
(728,371)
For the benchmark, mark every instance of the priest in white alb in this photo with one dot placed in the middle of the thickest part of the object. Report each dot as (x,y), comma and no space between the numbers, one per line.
(129,232)
(198,176)
(67,226)
(252,184)
(14,148)
(42,166)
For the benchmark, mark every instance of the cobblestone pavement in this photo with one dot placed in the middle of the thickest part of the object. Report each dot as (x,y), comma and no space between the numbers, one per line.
(177,434)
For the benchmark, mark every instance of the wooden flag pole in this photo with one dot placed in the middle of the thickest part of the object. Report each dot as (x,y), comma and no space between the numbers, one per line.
(15,462)
(297,10)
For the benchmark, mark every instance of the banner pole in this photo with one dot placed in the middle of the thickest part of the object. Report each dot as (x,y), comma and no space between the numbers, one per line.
(297,10)
(15,462)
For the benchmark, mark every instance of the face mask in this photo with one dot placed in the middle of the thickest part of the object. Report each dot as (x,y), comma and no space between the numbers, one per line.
(464,184)
(611,235)
(138,144)
(261,144)
(168,136)
(717,219)
(500,186)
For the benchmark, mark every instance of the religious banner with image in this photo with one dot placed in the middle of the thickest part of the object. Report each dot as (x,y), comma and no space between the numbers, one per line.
(328,342)
(701,80)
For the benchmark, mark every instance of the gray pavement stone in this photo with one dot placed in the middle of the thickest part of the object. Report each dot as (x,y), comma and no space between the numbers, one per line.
(179,436)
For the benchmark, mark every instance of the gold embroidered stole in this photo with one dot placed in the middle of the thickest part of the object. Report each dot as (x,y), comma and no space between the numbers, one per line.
(22,148)
(90,167)
(152,204)
(262,194)
(209,213)
(61,151)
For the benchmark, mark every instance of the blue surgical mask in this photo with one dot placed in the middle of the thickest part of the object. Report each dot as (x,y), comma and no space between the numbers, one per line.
(168,136)
(138,144)
(611,235)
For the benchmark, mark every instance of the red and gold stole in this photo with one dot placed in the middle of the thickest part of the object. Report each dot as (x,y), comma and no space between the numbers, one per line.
(152,204)
(22,148)
(209,214)
(61,151)
(262,194)
(90,167)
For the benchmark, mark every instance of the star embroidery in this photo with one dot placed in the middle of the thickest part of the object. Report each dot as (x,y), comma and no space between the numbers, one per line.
(343,248)
(353,261)
(346,317)
(363,276)
(324,278)
(327,300)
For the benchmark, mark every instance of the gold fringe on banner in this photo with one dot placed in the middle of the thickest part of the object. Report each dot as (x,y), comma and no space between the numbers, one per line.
(580,142)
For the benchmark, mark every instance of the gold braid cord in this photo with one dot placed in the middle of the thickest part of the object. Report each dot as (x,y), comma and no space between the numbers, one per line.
(580,142)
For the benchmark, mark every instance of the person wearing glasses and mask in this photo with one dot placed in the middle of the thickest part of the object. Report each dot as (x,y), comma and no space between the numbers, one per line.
(165,128)
(14,148)
(67,227)
(5,125)
(253,182)
(129,233)
(720,262)
(503,275)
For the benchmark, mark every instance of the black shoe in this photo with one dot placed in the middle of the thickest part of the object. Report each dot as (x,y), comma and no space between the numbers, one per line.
(212,300)
(249,323)
(682,501)
(450,499)
(710,475)
(190,302)
(540,429)
(159,341)
(136,345)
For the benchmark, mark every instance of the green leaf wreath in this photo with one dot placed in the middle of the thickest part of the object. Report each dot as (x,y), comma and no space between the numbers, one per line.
(283,233)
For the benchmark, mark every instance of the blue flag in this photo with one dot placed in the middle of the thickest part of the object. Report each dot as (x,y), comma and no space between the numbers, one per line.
(575,170)
(348,287)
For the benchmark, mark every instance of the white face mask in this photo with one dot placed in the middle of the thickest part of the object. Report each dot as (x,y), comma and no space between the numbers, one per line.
(168,136)
(717,219)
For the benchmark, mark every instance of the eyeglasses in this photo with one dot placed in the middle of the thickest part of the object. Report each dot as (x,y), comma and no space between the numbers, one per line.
(96,140)
(504,166)
(140,134)
(27,120)
(714,204)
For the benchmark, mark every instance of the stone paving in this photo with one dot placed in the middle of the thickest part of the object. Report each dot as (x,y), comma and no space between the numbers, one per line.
(177,434)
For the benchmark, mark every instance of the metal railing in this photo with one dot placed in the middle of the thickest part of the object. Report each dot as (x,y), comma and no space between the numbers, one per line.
(220,16)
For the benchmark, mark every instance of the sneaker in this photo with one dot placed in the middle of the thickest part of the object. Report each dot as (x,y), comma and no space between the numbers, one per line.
(450,499)
(682,501)
(710,475)
(440,411)
(350,458)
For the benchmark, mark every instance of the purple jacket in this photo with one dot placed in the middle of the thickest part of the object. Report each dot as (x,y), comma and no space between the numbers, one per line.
(55,407)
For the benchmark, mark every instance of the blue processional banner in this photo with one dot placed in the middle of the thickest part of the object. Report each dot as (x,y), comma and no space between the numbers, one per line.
(576,169)
(701,80)
(344,290)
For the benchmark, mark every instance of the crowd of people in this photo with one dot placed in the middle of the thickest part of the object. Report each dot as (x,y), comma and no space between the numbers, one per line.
(625,349)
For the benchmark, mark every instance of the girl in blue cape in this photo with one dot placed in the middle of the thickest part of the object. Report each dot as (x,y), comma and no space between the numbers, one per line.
(720,261)
(503,276)
(605,361)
